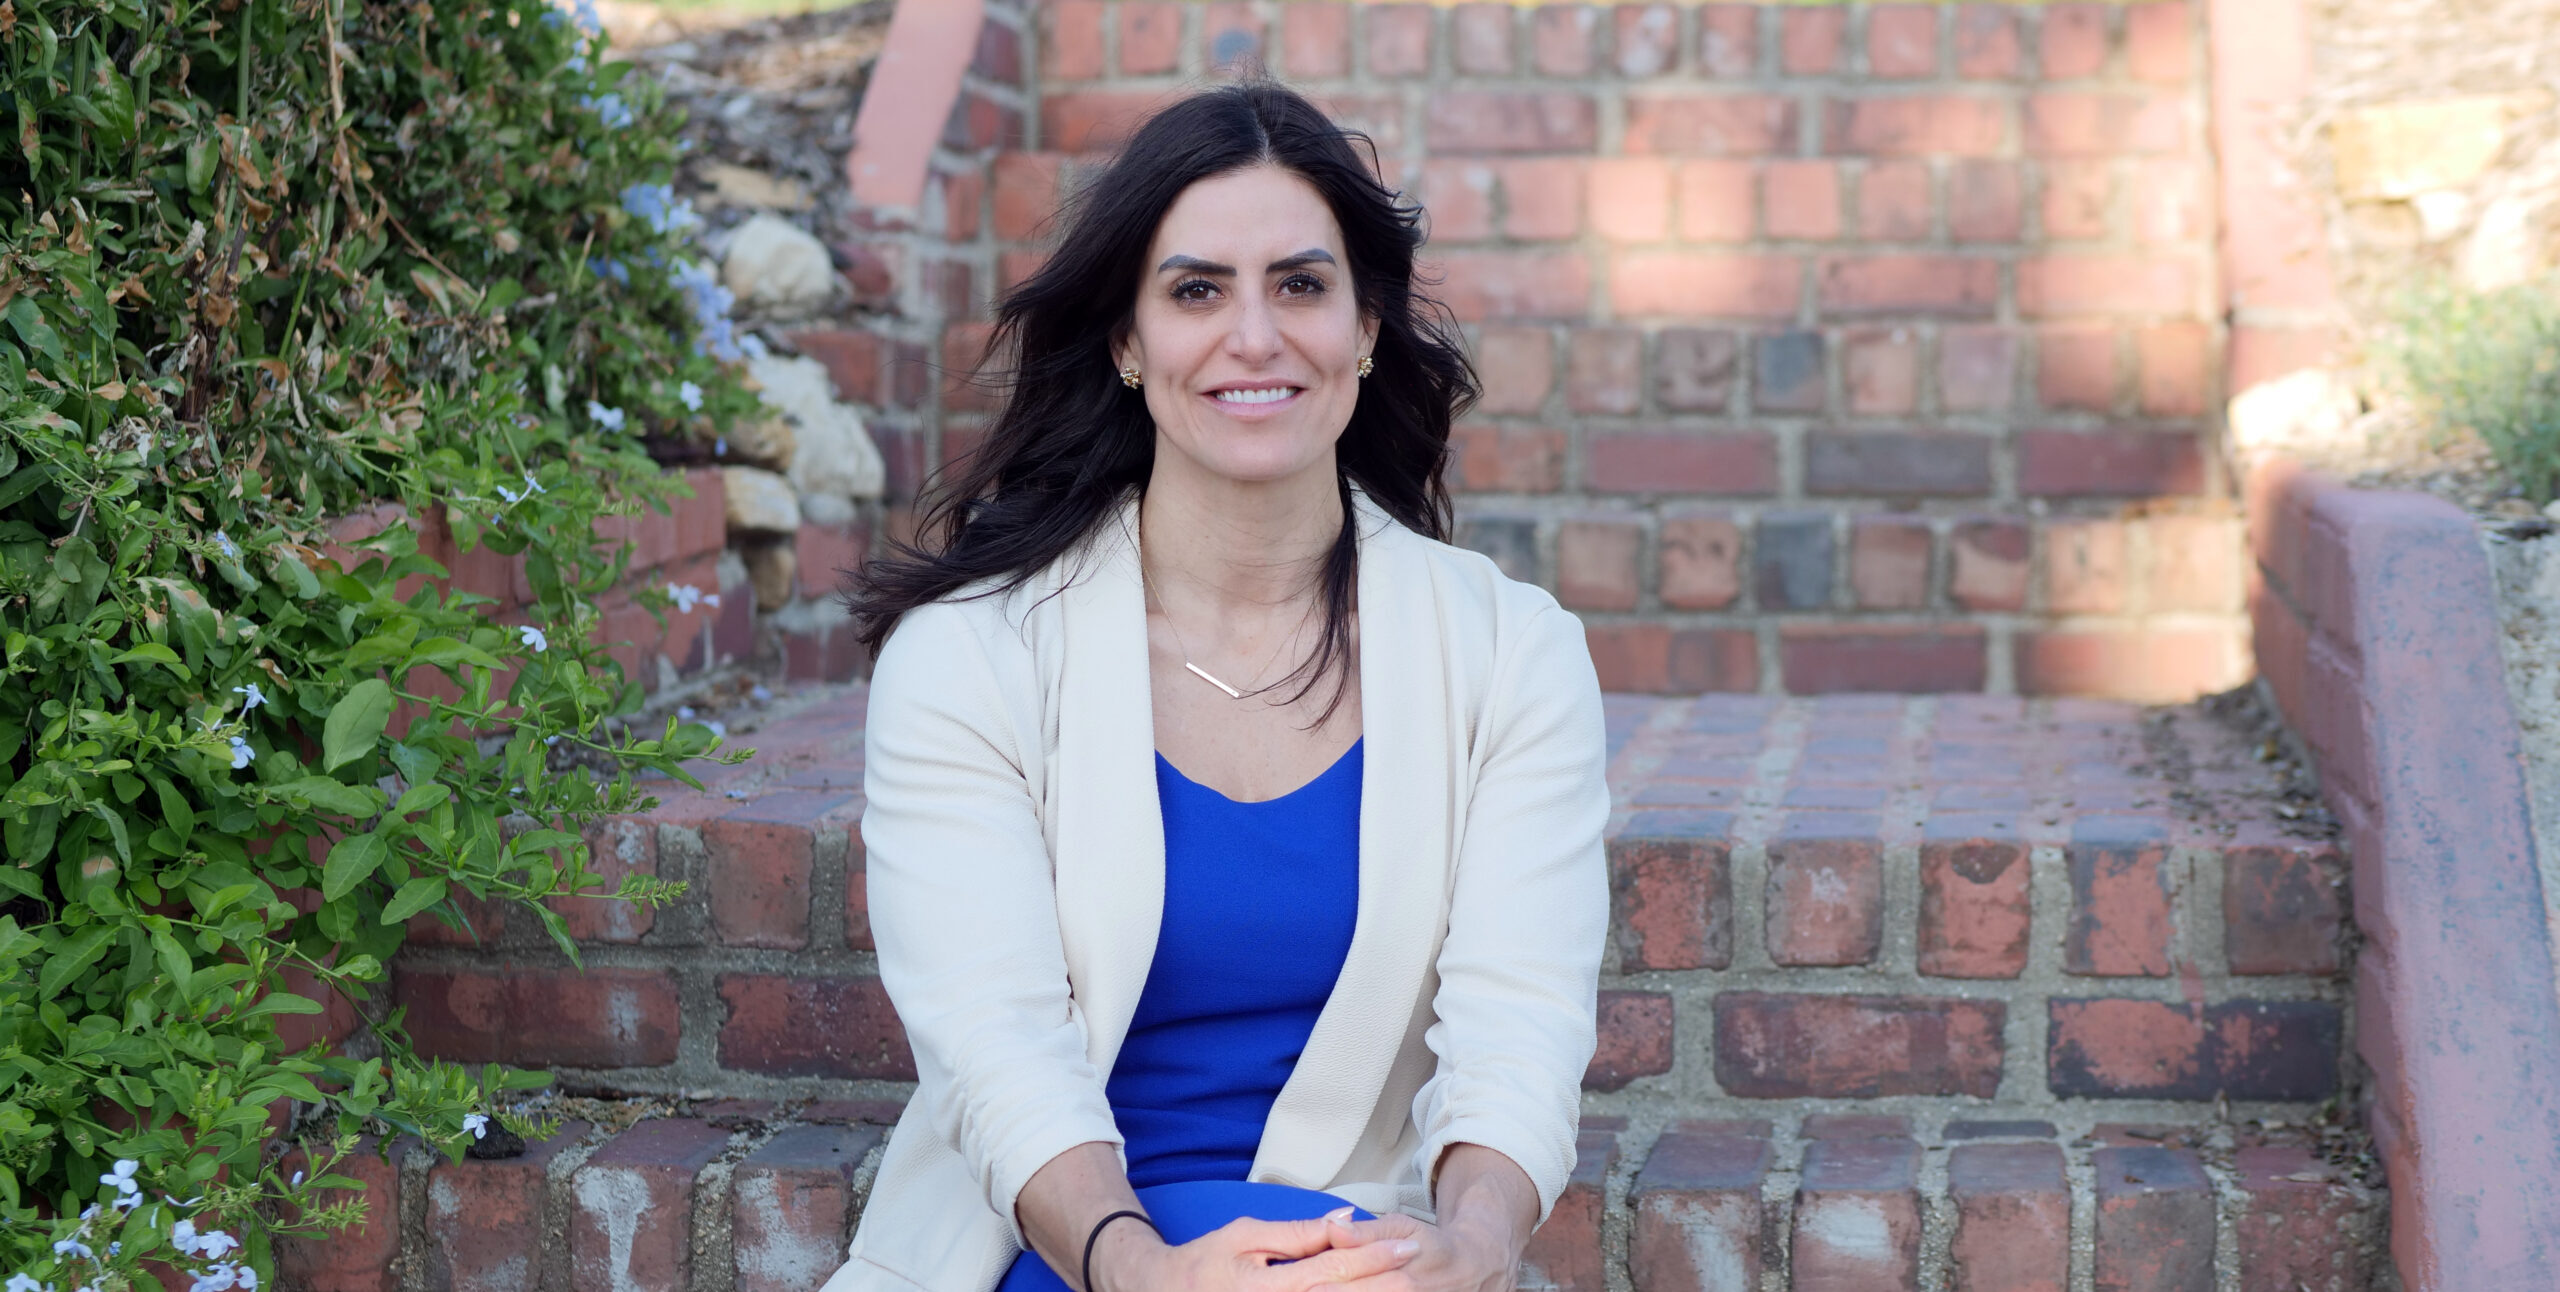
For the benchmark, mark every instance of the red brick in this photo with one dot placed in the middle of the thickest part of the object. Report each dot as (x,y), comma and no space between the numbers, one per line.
(1480,39)
(1801,199)
(1231,37)
(1505,459)
(1718,200)
(792,1204)
(1788,372)
(1596,563)
(857,895)
(1542,199)
(1705,284)
(1729,41)
(1857,1217)
(2155,1220)
(1773,1046)
(1825,898)
(1565,1253)
(1635,1039)
(2122,899)
(631,1207)
(2074,43)
(2104,125)
(1897,464)
(1987,42)
(1828,658)
(1671,901)
(826,553)
(1561,37)
(999,54)
(1710,125)
(2300,1224)
(1604,370)
(484,1228)
(1894,202)
(761,859)
(1315,39)
(2079,200)
(1084,121)
(2109,464)
(1648,39)
(1655,660)
(2168,202)
(1987,565)
(2283,907)
(616,847)
(2196,563)
(1983,201)
(2076,368)
(599,1018)
(1698,1219)
(1630,199)
(1701,562)
(363,1257)
(1889,562)
(2176,368)
(1917,125)
(1399,40)
(1516,285)
(2243,1049)
(1516,365)
(962,197)
(1902,41)
(2160,42)
(1459,196)
(1883,372)
(1510,121)
(1026,193)
(2013,1218)
(1974,914)
(1071,40)
(483,921)
(1909,285)
(2084,567)
(1977,369)
(2156,665)
(1809,40)
(1820,1126)
(1150,37)
(812,1025)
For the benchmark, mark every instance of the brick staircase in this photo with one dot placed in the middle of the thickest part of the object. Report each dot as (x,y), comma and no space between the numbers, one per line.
(1904,992)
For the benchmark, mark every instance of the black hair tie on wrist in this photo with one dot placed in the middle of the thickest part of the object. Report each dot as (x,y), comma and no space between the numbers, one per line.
(1096,1237)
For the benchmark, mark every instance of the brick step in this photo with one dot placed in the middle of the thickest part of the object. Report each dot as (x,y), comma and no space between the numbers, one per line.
(738,1198)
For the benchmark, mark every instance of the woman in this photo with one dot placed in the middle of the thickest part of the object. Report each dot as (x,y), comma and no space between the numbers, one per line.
(1233,843)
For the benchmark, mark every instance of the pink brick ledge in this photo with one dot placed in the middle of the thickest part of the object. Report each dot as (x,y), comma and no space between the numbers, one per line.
(2377,631)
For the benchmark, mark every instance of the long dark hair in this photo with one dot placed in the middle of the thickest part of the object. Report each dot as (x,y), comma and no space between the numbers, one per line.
(1071,441)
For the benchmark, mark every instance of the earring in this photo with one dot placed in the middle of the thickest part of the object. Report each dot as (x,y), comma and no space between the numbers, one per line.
(1366,366)
(1129,377)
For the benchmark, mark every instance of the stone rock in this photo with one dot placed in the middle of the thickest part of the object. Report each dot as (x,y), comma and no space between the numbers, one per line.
(772,568)
(776,267)
(735,185)
(833,454)
(769,443)
(2500,252)
(2399,150)
(2313,408)
(2441,214)
(760,502)
(827,509)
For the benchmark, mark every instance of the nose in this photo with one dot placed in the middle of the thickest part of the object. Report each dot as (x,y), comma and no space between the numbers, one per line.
(1255,337)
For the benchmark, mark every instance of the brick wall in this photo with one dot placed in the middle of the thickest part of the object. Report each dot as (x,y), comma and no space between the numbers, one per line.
(1827,348)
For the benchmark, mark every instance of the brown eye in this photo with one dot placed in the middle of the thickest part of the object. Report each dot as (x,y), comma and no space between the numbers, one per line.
(1196,289)
(1301,285)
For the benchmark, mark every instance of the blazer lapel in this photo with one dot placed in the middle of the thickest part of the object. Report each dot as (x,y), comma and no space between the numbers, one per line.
(1110,833)
(1406,798)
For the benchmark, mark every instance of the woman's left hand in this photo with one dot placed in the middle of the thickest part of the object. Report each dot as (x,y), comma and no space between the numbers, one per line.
(1450,1260)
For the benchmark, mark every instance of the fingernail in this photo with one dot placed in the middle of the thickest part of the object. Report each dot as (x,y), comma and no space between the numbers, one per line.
(1403,1247)
(1342,1214)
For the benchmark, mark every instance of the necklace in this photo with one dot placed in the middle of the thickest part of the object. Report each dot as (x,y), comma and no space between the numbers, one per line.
(1197,671)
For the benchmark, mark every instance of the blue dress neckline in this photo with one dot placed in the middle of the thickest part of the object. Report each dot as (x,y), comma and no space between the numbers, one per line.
(1320,778)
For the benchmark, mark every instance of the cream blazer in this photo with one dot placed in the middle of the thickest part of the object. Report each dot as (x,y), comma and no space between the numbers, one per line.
(1015,863)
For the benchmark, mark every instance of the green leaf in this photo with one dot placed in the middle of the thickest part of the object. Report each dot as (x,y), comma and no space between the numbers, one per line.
(32,329)
(330,796)
(154,653)
(174,808)
(71,958)
(283,1002)
(351,862)
(355,723)
(415,896)
(25,481)
(420,798)
(174,959)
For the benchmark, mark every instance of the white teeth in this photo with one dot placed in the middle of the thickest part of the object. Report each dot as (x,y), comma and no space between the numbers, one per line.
(1271,396)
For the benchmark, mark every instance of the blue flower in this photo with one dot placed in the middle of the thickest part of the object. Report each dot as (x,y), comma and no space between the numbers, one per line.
(608,418)
(19,1282)
(690,395)
(255,696)
(74,1247)
(533,637)
(532,486)
(659,207)
(588,22)
(609,109)
(577,62)
(223,541)
(510,495)
(241,756)
(609,268)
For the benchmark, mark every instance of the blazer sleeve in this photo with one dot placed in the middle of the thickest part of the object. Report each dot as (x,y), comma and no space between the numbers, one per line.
(1528,916)
(964,909)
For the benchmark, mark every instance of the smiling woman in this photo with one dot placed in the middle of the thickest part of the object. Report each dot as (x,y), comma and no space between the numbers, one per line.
(1233,842)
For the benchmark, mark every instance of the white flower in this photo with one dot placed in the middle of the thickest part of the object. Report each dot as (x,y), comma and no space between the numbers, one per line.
(223,541)
(532,486)
(297,1179)
(74,1247)
(89,1213)
(217,1278)
(510,495)
(691,395)
(684,713)
(122,1176)
(551,740)
(255,696)
(684,595)
(608,418)
(21,1283)
(248,1279)
(213,1244)
(241,756)
(477,1124)
(711,599)
(533,637)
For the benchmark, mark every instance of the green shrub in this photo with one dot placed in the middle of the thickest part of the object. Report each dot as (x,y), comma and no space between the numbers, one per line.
(2488,363)
(255,280)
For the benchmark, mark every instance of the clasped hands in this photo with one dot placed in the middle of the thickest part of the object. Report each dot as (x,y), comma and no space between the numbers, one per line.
(1389,1254)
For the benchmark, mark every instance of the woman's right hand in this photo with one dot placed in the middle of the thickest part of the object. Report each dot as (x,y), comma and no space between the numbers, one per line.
(1239,1257)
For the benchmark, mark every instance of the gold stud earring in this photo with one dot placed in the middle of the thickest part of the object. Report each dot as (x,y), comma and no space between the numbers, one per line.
(1129,377)
(1366,366)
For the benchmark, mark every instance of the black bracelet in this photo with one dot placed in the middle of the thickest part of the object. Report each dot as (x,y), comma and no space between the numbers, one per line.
(1096,1236)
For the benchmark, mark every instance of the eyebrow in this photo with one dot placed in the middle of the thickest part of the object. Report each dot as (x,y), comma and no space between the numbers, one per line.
(1195,265)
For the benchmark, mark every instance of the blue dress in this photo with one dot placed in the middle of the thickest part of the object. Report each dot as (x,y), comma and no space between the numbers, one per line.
(1259,904)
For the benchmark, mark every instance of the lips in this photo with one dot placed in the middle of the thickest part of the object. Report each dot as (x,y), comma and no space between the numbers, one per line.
(1251,396)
